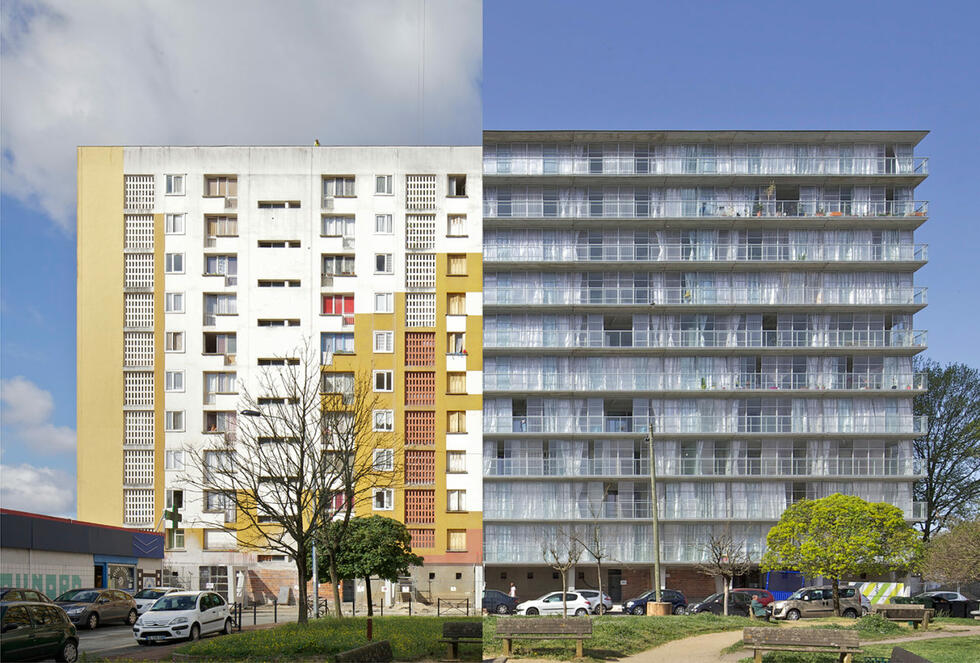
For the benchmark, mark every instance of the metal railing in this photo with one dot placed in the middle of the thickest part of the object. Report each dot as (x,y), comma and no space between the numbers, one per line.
(905,424)
(742,466)
(639,380)
(633,295)
(678,252)
(693,338)
(646,208)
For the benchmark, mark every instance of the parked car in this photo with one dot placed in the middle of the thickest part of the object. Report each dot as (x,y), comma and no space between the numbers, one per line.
(765,596)
(31,630)
(675,597)
(551,604)
(498,602)
(91,607)
(817,602)
(19,594)
(948,603)
(593,597)
(739,603)
(147,597)
(181,615)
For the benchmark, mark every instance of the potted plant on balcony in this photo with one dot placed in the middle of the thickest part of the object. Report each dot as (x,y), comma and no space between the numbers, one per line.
(757,208)
(820,211)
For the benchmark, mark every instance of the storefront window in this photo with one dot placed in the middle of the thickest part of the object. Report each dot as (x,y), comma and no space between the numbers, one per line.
(122,577)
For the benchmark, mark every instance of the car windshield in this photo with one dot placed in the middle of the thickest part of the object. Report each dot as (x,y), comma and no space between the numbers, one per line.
(79,596)
(795,596)
(150,593)
(174,603)
(713,597)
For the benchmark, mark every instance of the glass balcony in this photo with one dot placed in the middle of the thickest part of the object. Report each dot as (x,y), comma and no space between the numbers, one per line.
(638,380)
(659,253)
(707,338)
(703,296)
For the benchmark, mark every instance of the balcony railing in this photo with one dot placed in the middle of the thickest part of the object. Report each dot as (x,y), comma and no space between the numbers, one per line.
(692,338)
(640,550)
(705,296)
(639,380)
(764,466)
(866,252)
(703,165)
(646,208)
(843,423)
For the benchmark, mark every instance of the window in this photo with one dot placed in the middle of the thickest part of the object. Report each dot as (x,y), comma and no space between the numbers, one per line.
(384,421)
(173,420)
(175,539)
(456,421)
(338,187)
(217,462)
(382,263)
(278,361)
(278,283)
(338,305)
(279,204)
(221,343)
(173,459)
(384,499)
(175,185)
(221,265)
(337,343)
(456,343)
(338,383)
(221,226)
(174,263)
(337,226)
(173,224)
(383,184)
(337,265)
(456,303)
(457,264)
(173,302)
(383,224)
(456,462)
(273,322)
(384,341)
(384,460)
(174,499)
(456,383)
(221,186)
(173,342)
(384,302)
(217,500)
(457,185)
(456,540)
(383,380)
(220,539)
(455,500)
(279,243)
(217,421)
(456,226)
(174,381)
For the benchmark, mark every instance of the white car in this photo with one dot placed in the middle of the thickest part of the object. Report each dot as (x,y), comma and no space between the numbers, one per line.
(592,595)
(551,604)
(183,615)
(147,597)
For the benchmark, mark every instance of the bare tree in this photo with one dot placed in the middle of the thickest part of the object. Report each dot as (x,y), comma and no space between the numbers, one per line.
(953,557)
(592,541)
(725,557)
(302,455)
(562,553)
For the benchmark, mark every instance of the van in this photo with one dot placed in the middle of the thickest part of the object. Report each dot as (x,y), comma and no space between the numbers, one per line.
(818,602)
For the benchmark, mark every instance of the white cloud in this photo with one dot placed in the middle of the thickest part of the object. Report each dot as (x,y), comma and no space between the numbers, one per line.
(25,414)
(37,489)
(228,72)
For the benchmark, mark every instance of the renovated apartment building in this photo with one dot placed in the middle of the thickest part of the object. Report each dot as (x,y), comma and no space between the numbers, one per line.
(746,296)
(197,266)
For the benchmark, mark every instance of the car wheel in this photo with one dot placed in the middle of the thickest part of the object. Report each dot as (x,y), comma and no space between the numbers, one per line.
(195,633)
(679,610)
(93,621)
(851,613)
(227,628)
(532,611)
(600,609)
(69,652)
(637,610)
(502,609)
(131,617)
(793,615)
(581,612)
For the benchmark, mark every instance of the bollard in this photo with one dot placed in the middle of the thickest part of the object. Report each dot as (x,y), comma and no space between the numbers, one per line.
(253,614)
(275,611)
(467,606)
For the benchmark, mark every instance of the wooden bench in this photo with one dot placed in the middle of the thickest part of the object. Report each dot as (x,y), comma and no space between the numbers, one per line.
(376,652)
(915,613)
(544,628)
(760,639)
(454,633)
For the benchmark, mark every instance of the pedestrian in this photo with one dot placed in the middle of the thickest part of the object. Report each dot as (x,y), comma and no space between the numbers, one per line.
(513,591)
(758,610)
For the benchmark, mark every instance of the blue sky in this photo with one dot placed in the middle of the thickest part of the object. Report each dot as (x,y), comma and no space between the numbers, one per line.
(545,64)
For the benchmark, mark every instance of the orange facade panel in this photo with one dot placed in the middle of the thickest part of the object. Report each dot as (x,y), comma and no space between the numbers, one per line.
(420,506)
(420,428)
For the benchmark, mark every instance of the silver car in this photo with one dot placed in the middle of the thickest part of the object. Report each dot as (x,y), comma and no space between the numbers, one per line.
(147,597)
(91,607)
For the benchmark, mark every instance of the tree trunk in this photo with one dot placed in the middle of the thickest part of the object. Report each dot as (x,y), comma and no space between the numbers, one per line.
(836,597)
(370,601)
(725,597)
(335,582)
(301,574)
(598,571)
(564,591)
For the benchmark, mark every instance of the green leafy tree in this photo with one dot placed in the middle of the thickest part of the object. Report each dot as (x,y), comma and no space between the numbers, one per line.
(840,536)
(374,546)
(954,555)
(950,449)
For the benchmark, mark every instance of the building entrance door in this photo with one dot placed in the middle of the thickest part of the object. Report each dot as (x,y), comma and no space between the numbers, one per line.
(99,576)
(615,589)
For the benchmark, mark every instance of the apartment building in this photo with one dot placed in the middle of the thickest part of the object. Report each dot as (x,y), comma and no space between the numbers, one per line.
(746,298)
(199,265)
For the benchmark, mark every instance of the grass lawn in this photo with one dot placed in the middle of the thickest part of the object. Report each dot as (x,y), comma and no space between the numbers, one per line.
(411,638)
(614,637)
(939,650)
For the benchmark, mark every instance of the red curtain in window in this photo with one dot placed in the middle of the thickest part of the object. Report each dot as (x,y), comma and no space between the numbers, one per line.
(338,304)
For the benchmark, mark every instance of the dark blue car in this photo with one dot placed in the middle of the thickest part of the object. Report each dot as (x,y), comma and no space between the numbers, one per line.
(496,601)
(638,606)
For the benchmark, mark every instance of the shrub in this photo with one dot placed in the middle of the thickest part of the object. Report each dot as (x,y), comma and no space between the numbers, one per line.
(876,624)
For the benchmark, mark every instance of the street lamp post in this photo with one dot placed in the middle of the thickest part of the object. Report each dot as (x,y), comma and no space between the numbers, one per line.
(654,512)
